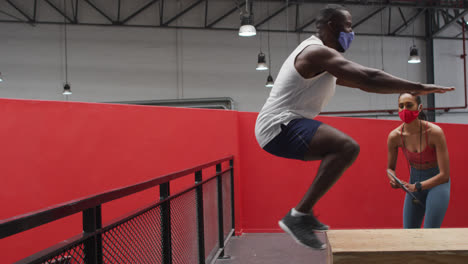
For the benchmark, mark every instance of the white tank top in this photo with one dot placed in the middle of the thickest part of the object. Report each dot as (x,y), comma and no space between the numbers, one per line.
(293,97)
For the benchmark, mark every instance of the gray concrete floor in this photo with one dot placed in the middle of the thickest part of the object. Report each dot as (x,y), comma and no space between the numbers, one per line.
(270,248)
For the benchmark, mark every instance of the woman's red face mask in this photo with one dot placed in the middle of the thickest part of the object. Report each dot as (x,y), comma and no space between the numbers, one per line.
(408,116)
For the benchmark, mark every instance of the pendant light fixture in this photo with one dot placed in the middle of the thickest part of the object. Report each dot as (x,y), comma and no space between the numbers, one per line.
(261,62)
(382,38)
(414,56)
(269,82)
(66,87)
(1,77)
(247,29)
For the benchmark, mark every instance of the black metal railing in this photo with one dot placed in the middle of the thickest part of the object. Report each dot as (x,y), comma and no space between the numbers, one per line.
(176,228)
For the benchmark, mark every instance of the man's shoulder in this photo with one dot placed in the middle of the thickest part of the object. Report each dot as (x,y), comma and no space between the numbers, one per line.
(317,48)
(314,52)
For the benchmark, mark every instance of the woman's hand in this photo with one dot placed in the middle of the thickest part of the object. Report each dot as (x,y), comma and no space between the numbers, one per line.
(393,183)
(411,187)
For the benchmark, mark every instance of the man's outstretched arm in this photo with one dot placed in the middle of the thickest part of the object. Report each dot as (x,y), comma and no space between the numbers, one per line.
(354,75)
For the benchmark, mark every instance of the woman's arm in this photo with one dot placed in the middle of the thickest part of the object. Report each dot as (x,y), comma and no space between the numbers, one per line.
(392,155)
(442,160)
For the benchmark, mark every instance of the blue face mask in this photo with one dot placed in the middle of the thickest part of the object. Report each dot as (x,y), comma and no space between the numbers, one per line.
(345,39)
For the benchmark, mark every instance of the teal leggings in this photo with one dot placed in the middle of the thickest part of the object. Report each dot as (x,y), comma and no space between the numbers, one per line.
(435,200)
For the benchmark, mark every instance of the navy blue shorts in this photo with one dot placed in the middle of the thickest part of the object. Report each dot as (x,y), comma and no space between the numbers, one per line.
(293,140)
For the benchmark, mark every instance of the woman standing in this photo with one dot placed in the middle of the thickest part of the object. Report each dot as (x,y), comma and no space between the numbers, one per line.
(424,146)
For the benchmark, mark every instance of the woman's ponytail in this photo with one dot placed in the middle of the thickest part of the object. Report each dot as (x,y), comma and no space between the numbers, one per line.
(422,115)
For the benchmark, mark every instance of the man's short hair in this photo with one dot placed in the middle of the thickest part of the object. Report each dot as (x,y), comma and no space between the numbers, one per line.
(329,13)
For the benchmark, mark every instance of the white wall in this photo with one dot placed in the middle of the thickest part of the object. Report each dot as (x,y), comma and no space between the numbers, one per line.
(124,64)
(449,71)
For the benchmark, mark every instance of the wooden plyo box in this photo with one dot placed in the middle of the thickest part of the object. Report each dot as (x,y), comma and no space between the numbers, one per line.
(412,246)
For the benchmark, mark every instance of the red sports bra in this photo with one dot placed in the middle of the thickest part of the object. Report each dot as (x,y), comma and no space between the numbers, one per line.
(428,155)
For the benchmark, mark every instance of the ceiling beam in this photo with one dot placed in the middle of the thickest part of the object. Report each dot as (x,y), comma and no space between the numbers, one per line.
(30,20)
(192,6)
(100,11)
(387,3)
(277,12)
(408,23)
(60,11)
(143,8)
(310,22)
(368,16)
(454,19)
(225,15)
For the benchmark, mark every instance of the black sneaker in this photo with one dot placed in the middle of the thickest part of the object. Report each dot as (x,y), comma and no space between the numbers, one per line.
(301,228)
(315,224)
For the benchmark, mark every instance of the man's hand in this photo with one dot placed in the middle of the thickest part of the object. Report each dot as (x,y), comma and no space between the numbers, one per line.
(432,88)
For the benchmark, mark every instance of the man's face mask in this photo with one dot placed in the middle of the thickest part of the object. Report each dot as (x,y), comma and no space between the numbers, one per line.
(345,39)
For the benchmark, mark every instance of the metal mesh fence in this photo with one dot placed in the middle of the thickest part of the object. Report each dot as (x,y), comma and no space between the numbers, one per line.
(135,241)
(138,237)
(227,206)
(184,229)
(70,256)
(210,208)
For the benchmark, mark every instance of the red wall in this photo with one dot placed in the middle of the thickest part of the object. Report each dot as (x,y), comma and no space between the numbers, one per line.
(53,152)
(362,198)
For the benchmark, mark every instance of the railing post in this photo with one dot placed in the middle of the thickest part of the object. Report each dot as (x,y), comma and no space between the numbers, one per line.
(164,192)
(219,180)
(92,221)
(200,218)
(99,236)
(231,164)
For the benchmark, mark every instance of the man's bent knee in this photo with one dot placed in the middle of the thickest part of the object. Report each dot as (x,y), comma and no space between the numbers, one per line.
(351,149)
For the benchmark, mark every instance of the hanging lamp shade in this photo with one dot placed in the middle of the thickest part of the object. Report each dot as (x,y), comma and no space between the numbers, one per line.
(262,65)
(269,82)
(414,56)
(67,89)
(247,29)
(1,77)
